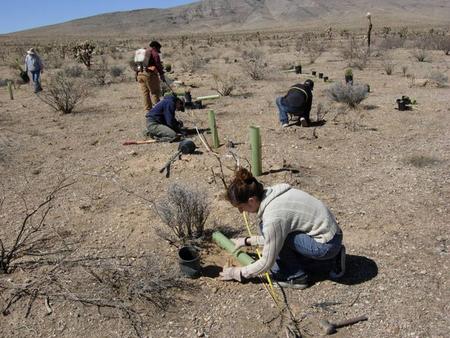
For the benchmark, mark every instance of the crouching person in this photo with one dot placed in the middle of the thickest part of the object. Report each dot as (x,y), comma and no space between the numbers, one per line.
(297,102)
(296,230)
(161,122)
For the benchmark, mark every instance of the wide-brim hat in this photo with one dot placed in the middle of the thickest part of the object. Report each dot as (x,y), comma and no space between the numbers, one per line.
(31,51)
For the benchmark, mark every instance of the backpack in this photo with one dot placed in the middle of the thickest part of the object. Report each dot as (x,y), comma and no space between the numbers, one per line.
(139,58)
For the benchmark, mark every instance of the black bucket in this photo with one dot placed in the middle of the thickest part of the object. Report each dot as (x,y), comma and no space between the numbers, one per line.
(313,73)
(325,78)
(189,261)
(320,75)
(401,105)
(298,69)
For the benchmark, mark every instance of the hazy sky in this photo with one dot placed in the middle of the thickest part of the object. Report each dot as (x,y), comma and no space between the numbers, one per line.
(23,14)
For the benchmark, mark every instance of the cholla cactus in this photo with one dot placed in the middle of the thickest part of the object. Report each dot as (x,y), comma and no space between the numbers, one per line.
(83,53)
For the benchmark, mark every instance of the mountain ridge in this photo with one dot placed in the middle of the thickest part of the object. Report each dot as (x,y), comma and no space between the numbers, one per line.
(234,15)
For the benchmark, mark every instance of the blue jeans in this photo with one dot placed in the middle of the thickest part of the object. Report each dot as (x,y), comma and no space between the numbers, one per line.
(283,111)
(300,251)
(36,76)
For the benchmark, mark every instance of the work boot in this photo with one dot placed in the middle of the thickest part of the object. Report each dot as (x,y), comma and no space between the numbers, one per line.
(299,283)
(339,266)
(284,125)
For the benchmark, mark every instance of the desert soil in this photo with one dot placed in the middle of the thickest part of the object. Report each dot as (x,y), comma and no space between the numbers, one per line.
(383,172)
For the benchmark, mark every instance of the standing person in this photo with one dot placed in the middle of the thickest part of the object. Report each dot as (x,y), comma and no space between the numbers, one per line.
(149,73)
(297,101)
(34,65)
(297,230)
(161,121)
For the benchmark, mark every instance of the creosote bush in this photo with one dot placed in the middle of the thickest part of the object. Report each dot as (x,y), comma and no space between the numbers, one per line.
(420,55)
(352,95)
(73,71)
(184,211)
(355,52)
(224,83)
(116,71)
(440,78)
(388,66)
(64,94)
(254,64)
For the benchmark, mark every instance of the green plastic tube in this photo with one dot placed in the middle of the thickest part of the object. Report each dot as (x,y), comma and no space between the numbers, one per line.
(208,97)
(255,142)
(10,90)
(213,129)
(228,245)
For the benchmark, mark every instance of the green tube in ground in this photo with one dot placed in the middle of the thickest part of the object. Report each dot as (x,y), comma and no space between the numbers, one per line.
(255,142)
(213,129)
(10,90)
(228,245)
(208,97)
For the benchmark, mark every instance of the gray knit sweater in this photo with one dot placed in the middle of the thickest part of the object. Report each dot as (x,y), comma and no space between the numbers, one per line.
(284,210)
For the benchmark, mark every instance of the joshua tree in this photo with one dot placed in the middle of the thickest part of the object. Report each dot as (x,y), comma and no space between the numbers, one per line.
(84,52)
(369,31)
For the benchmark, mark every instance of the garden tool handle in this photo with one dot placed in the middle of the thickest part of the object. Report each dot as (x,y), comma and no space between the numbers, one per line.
(169,162)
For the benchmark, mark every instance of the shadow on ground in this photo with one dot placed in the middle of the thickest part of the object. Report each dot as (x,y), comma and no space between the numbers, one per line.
(359,269)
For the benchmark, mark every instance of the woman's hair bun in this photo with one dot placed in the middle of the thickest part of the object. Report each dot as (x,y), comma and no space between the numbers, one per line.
(244,175)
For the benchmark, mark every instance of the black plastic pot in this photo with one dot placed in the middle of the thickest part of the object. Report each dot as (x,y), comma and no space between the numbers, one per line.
(401,105)
(313,72)
(320,75)
(189,261)
(298,69)
(349,79)
(325,78)
(187,146)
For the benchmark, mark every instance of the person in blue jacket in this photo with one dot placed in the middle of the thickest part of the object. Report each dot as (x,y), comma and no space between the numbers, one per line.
(161,121)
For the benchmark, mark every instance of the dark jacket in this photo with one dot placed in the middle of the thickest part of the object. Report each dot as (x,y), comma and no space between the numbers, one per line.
(152,59)
(298,99)
(164,113)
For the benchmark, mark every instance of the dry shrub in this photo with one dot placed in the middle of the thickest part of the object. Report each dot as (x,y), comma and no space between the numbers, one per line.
(192,63)
(443,44)
(64,94)
(388,66)
(73,71)
(440,78)
(116,71)
(224,83)
(420,55)
(391,42)
(184,211)
(351,95)
(254,64)
(355,52)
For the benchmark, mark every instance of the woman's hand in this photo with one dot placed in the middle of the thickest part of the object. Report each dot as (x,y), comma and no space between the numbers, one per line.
(239,242)
(231,274)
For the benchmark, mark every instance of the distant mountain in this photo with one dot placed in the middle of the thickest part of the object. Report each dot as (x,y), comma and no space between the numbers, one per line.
(232,15)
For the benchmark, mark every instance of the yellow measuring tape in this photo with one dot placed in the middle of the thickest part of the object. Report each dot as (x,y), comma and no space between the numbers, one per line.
(269,280)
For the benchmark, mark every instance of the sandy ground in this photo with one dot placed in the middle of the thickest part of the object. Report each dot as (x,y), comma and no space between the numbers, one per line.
(383,172)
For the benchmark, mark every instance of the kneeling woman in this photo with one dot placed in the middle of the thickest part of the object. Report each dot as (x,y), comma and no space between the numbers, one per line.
(296,230)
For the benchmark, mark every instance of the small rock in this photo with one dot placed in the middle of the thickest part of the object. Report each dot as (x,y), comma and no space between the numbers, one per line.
(36,171)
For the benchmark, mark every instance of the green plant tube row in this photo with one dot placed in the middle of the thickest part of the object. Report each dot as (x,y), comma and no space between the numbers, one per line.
(226,244)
